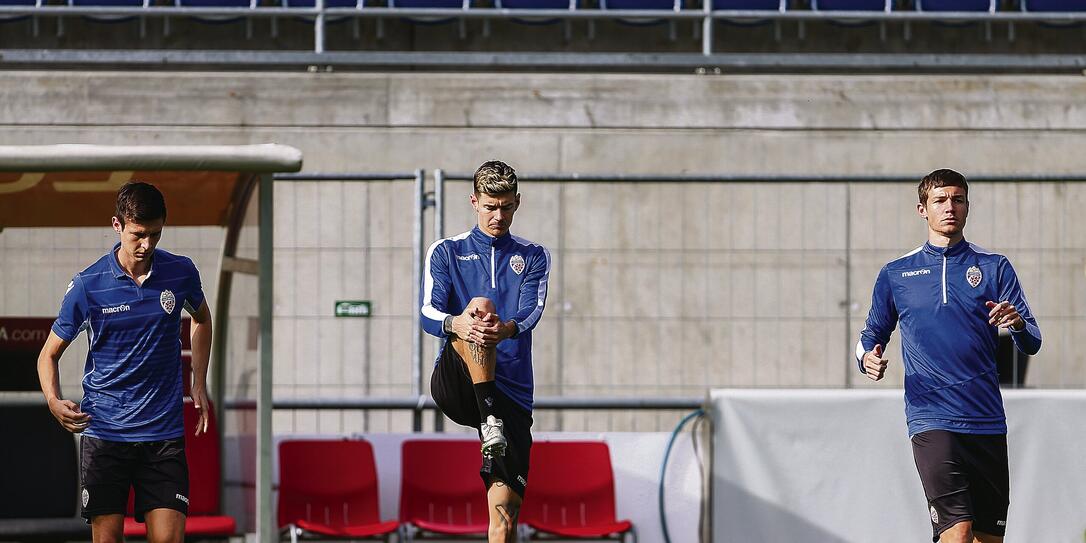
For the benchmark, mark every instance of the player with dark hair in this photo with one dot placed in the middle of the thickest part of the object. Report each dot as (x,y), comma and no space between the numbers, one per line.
(483,292)
(950,298)
(129,302)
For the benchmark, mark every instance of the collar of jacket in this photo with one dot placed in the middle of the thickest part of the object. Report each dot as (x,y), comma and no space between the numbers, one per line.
(952,251)
(483,239)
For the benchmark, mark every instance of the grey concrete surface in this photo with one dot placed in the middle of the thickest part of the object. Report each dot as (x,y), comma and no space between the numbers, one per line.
(657,289)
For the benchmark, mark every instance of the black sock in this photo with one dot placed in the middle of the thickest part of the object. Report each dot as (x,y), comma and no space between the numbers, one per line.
(486,396)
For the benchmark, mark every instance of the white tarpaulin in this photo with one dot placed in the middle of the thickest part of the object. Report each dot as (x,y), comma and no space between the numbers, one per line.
(836,466)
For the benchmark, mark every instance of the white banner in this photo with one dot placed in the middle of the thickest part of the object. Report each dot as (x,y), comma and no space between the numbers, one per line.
(836,466)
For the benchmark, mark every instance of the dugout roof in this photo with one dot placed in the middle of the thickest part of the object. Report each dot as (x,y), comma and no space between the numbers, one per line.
(70,185)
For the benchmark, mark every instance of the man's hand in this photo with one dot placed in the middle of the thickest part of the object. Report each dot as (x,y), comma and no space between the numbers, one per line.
(481,328)
(68,415)
(874,363)
(1004,315)
(199,400)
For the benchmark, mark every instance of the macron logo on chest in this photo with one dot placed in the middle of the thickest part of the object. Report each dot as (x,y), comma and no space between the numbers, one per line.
(116,309)
(914,273)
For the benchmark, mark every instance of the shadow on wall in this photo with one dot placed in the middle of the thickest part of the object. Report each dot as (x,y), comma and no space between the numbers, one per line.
(750,518)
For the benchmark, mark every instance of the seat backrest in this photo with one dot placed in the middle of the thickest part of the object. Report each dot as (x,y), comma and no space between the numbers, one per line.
(440,482)
(1053,5)
(571,484)
(40,469)
(332,482)
(205,462)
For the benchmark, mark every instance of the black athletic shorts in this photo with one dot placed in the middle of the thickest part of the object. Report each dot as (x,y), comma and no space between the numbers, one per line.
(157,470)
(454,393)
(965,477)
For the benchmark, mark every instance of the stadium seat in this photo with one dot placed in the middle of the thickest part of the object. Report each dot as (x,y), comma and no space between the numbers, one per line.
(659,5)
(430,4)
(328,490)
(40,477)
(572,499)
(1053,5)
(851,5)
(205,464)
(441,493)
(8,18)
(956,5)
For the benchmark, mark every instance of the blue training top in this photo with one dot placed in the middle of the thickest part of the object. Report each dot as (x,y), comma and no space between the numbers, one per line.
(132,381)
(512,272)
(938,294)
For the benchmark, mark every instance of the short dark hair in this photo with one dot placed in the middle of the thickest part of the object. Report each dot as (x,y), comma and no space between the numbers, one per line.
(495,177)
(940,178)
(140,202)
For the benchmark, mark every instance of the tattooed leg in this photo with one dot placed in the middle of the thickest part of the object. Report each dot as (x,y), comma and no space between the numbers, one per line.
(504,513)
(478,360)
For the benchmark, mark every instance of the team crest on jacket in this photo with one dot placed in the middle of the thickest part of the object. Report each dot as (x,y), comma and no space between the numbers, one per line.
(168,301)
(974,276)
(517,263)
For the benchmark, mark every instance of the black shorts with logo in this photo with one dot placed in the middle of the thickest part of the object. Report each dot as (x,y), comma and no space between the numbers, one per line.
(965,477)
(454,393)
(157,470)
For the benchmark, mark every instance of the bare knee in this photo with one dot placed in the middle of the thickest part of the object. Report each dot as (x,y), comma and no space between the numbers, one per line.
(483,304)
(962,532)
(107,529)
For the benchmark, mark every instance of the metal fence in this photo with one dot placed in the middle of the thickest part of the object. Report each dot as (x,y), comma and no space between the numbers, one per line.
(704,16)
(662,287)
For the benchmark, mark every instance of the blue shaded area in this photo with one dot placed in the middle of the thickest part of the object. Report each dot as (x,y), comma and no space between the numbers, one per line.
(1054,5)
(753,5)
(953,5)
(639,4)
(848,5)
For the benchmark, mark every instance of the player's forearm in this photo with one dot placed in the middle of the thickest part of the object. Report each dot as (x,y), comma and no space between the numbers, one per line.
(201,352)
(49,376)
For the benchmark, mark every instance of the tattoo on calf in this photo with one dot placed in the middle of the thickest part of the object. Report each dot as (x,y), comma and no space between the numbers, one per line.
(508,513)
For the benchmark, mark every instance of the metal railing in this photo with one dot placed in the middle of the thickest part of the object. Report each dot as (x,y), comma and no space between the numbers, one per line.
(706,14)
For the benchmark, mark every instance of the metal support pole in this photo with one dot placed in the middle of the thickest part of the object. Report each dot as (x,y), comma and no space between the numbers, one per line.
(707,28)
(439,233)
(849,363)
(417,252)
(265,510)
(318,28)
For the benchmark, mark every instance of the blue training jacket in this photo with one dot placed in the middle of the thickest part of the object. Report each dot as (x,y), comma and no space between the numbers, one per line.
(938,295)
(512,272)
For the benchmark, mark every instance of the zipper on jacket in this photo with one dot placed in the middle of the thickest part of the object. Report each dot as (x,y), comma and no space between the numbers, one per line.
(944,279)
(493,282)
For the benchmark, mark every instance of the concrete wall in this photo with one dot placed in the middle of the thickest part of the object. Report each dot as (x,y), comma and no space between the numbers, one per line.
(657,288)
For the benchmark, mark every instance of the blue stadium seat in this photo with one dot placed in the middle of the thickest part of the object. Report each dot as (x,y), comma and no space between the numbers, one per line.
(750,5)
(850,5)
(110,18)
(641,4)
(215,4)
(538,4)
(1054,5)
(437,4)
(956,5)
(658,5)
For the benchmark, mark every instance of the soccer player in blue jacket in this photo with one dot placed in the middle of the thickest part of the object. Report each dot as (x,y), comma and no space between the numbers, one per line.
(130,303)
(483,292)
(950,298)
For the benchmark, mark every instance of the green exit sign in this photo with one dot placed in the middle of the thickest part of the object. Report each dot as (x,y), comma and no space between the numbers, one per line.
(352,308)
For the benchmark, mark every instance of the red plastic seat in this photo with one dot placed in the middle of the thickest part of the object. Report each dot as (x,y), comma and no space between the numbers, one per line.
(205,465)
(328,490)
(440,489)
(571,491)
